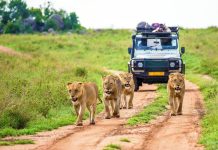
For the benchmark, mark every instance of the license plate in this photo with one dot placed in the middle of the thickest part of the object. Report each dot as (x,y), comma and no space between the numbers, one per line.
(156,73)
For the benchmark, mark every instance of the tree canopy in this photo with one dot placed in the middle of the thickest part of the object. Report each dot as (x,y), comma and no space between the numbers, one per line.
(17,17)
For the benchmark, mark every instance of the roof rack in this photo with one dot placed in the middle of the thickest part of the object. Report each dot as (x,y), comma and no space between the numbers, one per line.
(148,31)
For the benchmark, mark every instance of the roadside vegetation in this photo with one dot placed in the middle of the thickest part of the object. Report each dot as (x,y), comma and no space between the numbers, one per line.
(112,147)
(14,142)
(125,140)
(201,58)
(33,95)
(153,110)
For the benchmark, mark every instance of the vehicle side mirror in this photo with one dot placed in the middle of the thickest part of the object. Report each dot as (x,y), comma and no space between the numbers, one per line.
(129,50)
(182,50)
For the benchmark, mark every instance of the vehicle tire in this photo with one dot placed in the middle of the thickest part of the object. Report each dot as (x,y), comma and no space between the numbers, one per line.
(136,84)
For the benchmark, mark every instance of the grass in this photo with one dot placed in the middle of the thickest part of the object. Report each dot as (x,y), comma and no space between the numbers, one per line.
(209,123)
(151,111)
(201,58)
(33,95)
(112,147)
(125,140)
(14,142)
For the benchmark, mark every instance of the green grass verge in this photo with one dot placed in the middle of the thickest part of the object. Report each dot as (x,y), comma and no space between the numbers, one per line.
(112,147)
(209,123)
(14,142)
(151,111)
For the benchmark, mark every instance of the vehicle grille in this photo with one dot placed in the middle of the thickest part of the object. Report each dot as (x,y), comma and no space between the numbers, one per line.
(157,65)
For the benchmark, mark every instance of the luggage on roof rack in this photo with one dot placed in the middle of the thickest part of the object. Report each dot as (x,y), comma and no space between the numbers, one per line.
(143,27)
(155,27)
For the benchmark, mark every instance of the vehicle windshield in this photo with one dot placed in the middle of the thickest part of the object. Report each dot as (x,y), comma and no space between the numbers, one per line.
(156,43)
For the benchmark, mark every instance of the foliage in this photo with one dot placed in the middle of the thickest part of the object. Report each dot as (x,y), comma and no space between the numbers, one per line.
(14,12)
(14,142)
(12,27)
(51,24)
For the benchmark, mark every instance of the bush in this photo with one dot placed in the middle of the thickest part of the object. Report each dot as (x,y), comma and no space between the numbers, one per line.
(15,117)
(81,72)
(51,24)
(12,27)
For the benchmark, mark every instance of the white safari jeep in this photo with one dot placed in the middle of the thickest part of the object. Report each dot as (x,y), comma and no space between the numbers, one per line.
(154,55)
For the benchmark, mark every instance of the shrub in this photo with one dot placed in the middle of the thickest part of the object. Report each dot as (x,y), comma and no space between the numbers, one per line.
(50,24)
(12,27)
(15,117)
(81,72)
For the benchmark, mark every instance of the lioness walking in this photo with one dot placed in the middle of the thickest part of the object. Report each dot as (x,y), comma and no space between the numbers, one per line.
(83,95)
(176,91)
(128,87)
(112,89)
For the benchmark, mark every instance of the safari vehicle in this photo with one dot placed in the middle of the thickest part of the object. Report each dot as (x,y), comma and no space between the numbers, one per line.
(154,55)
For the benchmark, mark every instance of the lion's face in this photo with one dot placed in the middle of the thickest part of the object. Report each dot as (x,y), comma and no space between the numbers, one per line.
(75,91)
(127,80)
(108,85)
(177,81)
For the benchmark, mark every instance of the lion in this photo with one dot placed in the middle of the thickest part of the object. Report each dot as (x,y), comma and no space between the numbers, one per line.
(83,95)
(127,90)
(112,89)
(176,91)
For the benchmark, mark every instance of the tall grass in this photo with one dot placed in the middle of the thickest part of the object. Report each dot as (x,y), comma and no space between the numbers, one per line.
(201,58)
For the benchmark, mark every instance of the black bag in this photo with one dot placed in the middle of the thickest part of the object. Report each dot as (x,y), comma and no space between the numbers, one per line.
(143,27)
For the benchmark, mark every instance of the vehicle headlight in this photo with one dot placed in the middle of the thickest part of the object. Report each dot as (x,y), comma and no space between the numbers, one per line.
(140,64)
(172,64)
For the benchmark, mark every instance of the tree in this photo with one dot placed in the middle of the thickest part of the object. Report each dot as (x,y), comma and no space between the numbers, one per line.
(71,21)
(37,14)
(4,14)
(51,24)
(16,15)
(18,9)
(12,27)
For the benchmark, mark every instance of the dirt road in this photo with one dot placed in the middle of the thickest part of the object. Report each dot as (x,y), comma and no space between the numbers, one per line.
(89,137)
(180,132)
(166,132)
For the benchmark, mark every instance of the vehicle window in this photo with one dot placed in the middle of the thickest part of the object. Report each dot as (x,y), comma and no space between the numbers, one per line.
(154,44)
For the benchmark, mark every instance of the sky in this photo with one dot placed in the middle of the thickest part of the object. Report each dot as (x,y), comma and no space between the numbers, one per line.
(127,13)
